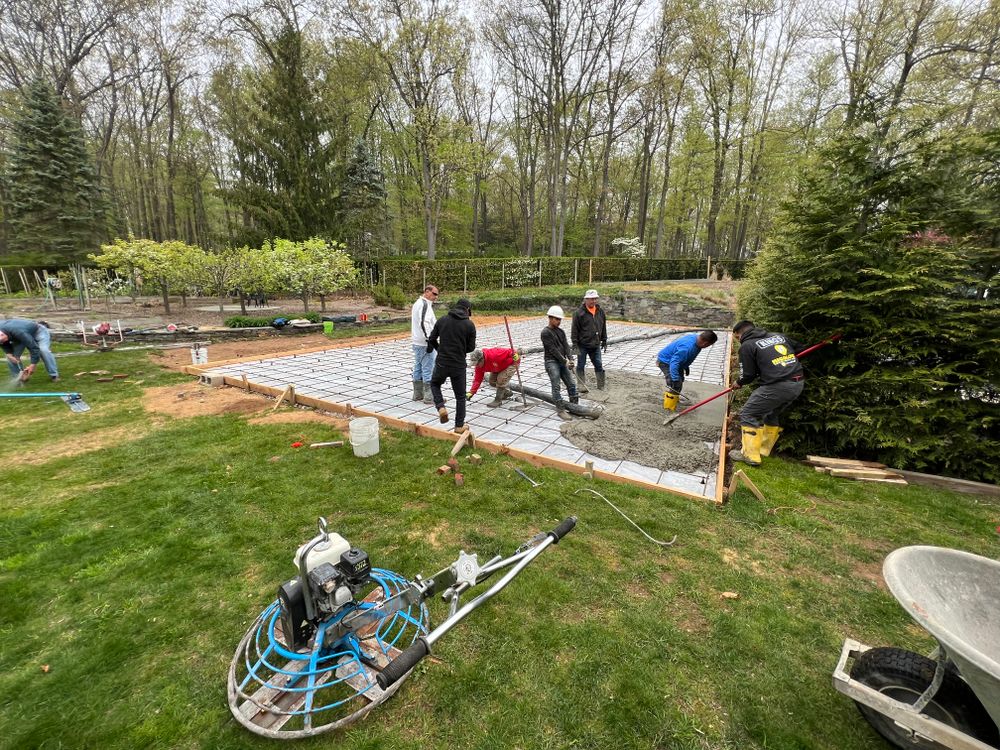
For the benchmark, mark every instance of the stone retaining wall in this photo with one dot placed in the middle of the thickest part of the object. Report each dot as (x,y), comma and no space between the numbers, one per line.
(647,309)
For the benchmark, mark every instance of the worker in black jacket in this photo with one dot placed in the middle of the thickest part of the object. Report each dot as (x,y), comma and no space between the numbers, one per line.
(771,357)
(558,361)
(453,337)
(589,335)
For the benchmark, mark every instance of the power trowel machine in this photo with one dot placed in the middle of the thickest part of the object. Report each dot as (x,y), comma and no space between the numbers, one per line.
(342,636)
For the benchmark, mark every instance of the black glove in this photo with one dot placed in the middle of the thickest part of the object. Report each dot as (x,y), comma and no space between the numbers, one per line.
(604,346)
(687,371)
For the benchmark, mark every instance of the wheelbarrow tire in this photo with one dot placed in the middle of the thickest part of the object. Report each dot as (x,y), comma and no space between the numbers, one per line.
(904,676)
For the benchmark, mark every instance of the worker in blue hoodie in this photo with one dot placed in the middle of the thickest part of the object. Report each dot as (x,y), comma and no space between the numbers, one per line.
(674,360)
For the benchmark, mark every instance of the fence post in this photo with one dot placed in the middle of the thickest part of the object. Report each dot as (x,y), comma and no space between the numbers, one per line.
(465,277)
(539,272)
(425,277)
(6,286)
(590,272)
(576,269)
(503,275)
(708,267)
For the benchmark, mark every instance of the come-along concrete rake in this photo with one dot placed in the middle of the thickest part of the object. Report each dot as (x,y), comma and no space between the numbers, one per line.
(342,636)
(73,400)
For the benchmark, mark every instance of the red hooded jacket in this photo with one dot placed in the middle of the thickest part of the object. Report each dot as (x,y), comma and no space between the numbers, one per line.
(495,360)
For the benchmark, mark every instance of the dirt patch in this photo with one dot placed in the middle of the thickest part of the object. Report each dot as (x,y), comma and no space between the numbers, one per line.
(191,400)
(871,572)
(433,537)
(631,427)
(95,441)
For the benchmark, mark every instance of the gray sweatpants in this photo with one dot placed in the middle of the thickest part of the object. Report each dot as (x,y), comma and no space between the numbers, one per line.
(766,404)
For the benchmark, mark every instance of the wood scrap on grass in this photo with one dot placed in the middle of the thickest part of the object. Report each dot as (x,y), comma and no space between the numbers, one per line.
(863,471)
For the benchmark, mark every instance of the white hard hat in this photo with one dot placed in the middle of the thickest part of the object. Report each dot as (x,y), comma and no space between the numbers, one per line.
(556,312)
(591,294)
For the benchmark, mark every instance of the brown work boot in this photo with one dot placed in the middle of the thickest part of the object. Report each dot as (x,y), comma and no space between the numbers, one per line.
(460,430)
(442,414)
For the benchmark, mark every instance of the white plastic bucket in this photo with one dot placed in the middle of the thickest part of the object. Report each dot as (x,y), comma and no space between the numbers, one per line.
(199,355)
(364,436)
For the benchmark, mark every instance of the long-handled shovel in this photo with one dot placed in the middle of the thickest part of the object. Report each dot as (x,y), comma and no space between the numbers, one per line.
(730,389)
(517,366)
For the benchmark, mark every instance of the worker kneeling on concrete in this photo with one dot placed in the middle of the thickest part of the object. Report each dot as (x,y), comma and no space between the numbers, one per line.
(675,359)
(771,357)
(559,361)
(501,364)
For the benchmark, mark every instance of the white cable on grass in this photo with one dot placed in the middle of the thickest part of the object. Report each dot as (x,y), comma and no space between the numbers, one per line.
(654,541)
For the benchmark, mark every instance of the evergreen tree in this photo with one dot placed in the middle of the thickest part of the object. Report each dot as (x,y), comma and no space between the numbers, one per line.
(895,245)
(54,209)
(283,157)
(362,203)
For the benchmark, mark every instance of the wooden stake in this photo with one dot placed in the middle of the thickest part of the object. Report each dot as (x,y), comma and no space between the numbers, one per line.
(460,443)
(589,473)
(281,398)
(740,477)
(246,383)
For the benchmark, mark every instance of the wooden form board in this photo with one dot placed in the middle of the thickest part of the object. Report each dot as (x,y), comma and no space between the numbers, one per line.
(534,459)
(866,471)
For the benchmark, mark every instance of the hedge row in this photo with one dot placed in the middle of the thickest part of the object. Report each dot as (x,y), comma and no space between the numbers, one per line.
(515,273)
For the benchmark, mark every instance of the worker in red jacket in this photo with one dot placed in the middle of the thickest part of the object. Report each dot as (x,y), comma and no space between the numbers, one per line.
(501,364)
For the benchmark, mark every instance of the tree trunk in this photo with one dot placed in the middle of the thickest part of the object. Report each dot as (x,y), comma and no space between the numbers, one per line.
(166,300)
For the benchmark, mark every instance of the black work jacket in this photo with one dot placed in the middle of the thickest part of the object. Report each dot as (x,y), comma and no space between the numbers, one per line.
(555,344)
(769,356)
(453,336)
(589,331)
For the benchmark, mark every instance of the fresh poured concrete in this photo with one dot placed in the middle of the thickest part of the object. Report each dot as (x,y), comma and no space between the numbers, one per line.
(376,377)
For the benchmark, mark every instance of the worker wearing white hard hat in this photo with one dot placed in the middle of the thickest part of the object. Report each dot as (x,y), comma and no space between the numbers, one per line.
(589,334)
(558,361)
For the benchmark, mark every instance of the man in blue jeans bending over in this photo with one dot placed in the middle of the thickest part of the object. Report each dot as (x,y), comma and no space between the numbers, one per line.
(674,360)
(18,334)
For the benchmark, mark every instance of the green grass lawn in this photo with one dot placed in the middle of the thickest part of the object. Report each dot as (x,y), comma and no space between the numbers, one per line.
(131,570)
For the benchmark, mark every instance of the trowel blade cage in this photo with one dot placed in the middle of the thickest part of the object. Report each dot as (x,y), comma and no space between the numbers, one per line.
(279,693)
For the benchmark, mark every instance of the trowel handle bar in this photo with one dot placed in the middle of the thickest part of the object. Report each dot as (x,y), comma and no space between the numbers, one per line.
(407,660)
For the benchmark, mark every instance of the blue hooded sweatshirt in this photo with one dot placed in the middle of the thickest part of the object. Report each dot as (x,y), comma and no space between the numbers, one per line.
(679,355)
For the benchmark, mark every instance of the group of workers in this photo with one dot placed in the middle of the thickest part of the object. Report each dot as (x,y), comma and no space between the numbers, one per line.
(442,347)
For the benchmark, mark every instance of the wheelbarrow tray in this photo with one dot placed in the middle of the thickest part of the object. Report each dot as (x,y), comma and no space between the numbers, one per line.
(954,596)
(902,713)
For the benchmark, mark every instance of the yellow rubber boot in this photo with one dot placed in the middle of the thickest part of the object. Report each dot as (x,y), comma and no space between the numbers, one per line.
(670,399)
(768,440)
(751,447)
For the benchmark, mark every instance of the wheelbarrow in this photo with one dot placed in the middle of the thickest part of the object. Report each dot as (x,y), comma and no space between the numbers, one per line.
(952,698)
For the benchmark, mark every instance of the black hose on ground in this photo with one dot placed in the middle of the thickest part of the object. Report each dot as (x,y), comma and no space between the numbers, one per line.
(577,410)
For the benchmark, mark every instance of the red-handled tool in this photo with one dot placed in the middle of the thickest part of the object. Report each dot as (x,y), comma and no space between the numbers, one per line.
(517,364)
(730,389)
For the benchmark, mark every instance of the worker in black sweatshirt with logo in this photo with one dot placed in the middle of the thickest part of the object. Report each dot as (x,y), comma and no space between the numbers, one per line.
(453,337)
(771,357)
